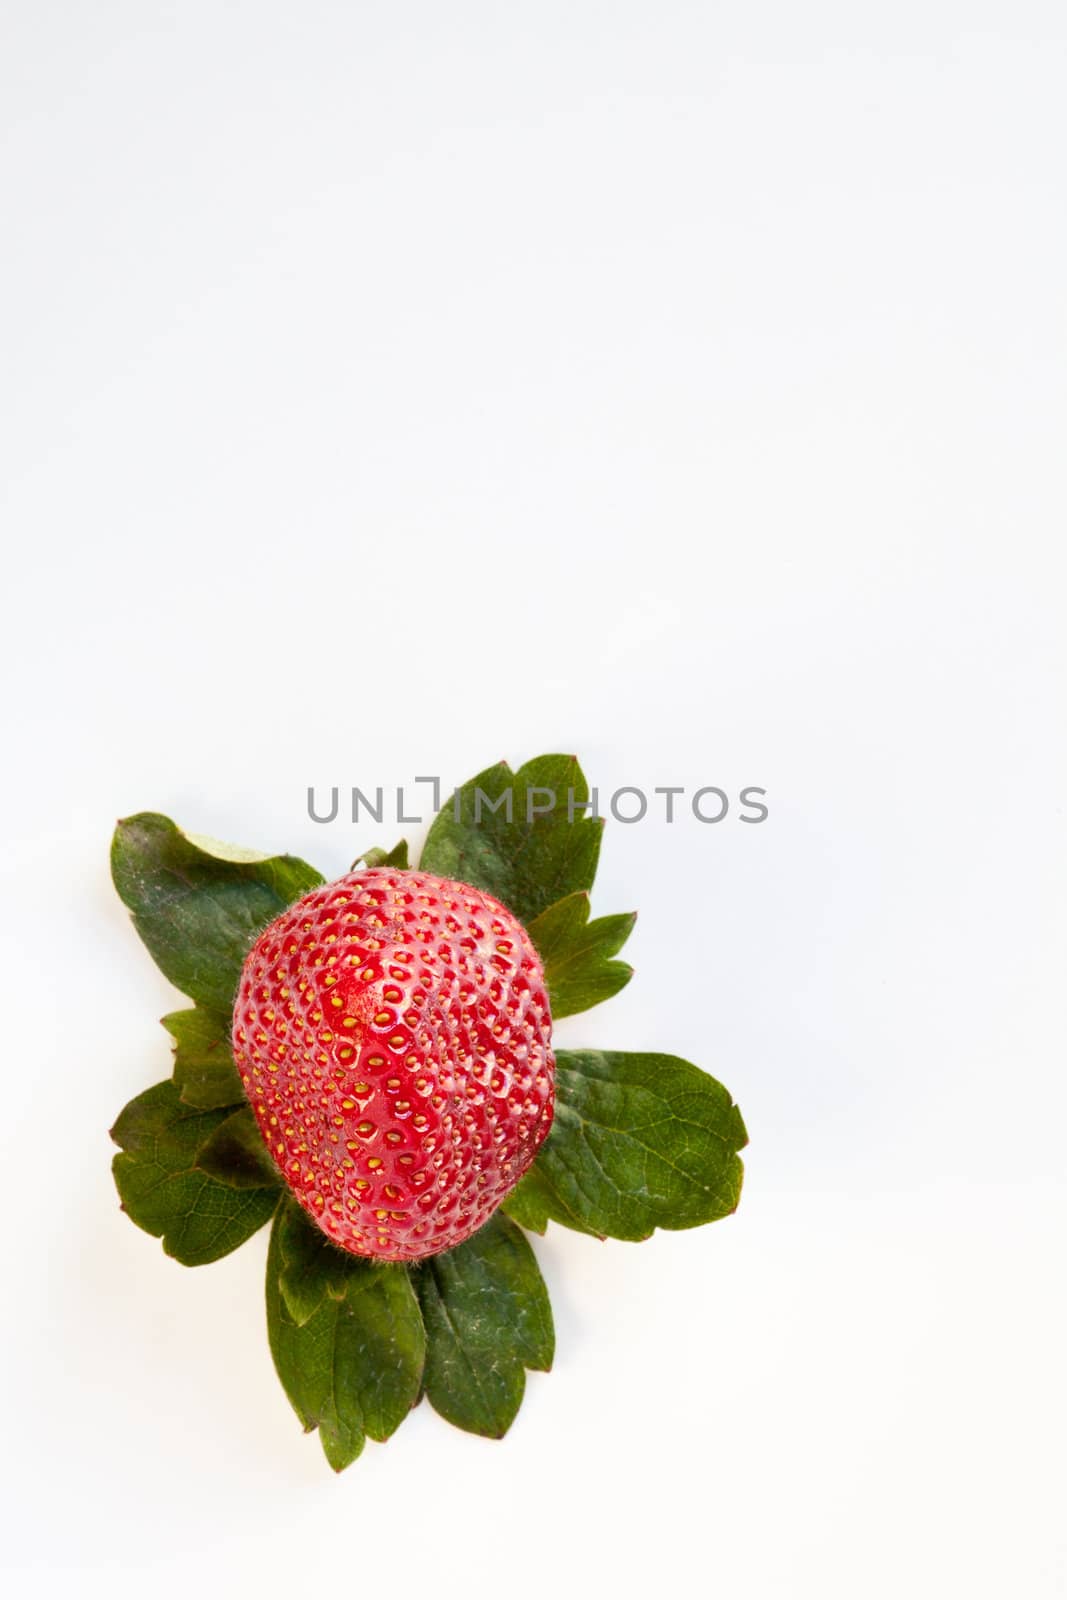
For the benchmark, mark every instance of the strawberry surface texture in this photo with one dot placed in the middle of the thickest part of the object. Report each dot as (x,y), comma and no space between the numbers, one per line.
(393,1036)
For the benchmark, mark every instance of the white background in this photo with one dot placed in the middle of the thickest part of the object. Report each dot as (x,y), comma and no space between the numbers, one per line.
(390,388)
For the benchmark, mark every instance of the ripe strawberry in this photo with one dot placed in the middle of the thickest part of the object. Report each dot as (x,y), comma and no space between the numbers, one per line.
(392,1032)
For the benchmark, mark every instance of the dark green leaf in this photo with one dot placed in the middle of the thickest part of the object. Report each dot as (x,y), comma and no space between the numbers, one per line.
(534,1202)
(638,1142)
(528,859)
(396,857)
(311,1267)
(235,1154)
(487,1318)
(575,952)
(199,905)
(354,1369)
(164,1192)
(204,1068)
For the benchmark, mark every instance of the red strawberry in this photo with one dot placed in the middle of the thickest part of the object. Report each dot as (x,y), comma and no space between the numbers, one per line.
(392,1032)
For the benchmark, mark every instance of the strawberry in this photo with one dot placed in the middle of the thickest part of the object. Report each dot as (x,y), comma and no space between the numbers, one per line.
(393,1036)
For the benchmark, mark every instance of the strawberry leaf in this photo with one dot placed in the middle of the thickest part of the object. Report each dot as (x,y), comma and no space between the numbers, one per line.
(575,953)
(638,1142)
(396,857)
(204,1068)
(522,852)
(235,1154)
(534,1203)
(198,905)
(163,1191)
(354,1368)
(487,1317)
(310,1266)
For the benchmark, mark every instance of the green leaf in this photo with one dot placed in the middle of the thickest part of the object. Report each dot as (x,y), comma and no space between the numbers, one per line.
(638,1142)
(396,857)
(311,1267)
(527,858)
(354,1368)
(204,1068)
(575,952)
(534,1202)
(199,905)
(487,1318)
(163,1191)
(236,1155)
